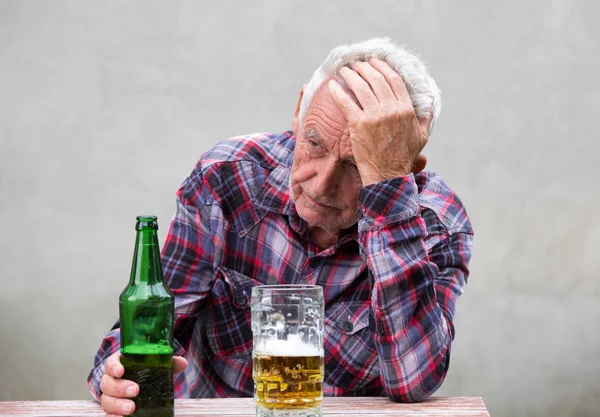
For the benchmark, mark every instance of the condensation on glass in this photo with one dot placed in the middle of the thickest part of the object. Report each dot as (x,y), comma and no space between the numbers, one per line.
(287,355)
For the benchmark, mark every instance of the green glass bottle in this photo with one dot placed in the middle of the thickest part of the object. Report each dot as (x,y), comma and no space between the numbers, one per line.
(146,309)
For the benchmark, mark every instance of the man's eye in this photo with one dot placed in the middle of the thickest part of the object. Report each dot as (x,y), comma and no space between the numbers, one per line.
(314,144)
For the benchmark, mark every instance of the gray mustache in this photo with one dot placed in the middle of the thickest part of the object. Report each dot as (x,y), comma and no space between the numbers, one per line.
(326,202)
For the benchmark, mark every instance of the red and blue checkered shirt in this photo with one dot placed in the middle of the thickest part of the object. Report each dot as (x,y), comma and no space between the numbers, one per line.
(390,284)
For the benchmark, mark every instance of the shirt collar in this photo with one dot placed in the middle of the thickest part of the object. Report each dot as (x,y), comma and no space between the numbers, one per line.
(275,196)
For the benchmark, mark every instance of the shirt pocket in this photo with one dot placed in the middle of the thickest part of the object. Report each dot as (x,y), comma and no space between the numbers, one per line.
(228,328)
(351,359)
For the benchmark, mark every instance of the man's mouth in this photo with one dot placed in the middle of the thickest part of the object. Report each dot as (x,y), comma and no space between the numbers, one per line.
(316,203)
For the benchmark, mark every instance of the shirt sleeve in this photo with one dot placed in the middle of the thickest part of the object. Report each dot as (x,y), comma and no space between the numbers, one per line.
(187,259)
(417,274)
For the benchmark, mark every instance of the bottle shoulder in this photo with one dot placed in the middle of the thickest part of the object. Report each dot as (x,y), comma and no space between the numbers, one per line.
(139,291)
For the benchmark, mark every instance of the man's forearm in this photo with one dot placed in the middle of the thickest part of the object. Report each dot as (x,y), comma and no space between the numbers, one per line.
(409,329)
(110,345)
(411,333)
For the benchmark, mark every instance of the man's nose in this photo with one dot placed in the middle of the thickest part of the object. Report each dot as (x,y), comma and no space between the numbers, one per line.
(328,179)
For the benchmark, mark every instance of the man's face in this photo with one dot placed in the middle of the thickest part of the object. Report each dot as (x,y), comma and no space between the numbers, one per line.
(325,182)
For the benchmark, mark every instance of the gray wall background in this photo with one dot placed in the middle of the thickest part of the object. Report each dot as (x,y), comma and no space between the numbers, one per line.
(106,106)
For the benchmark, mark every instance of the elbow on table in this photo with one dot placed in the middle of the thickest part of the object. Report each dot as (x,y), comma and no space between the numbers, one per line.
(416,395)
(423,387)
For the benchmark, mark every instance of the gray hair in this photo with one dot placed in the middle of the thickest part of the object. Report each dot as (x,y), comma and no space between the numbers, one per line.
(423,90)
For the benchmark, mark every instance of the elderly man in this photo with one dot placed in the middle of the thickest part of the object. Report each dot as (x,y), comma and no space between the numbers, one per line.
(341,201)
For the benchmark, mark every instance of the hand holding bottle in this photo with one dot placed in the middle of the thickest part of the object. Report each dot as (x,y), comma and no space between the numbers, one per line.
(116,391)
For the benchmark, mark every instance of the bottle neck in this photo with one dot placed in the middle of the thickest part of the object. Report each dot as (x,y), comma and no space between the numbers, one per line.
(146,267)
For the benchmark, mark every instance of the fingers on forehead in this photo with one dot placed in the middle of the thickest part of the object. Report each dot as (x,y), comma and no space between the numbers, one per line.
(345,103)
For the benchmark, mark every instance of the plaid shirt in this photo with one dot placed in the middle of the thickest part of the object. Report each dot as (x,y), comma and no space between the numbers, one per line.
(390,284)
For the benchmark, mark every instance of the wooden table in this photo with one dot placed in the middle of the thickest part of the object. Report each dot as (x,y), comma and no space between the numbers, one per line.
(239,407)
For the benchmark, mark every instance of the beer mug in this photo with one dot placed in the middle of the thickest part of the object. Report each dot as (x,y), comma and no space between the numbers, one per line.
(287,354)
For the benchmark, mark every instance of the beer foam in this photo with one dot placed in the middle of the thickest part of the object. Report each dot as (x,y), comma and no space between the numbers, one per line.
(293,346)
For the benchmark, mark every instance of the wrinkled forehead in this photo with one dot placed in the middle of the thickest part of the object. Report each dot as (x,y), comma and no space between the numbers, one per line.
(346,88)
(322,94)
(326,123)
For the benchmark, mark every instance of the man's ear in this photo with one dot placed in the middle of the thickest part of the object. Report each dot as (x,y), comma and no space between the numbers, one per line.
(296,121)
(420,164)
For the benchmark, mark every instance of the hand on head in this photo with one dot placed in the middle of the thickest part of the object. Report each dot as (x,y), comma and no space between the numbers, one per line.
(385,133)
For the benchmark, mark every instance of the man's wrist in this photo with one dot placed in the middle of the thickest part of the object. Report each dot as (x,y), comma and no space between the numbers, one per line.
(387,202)
(371,176)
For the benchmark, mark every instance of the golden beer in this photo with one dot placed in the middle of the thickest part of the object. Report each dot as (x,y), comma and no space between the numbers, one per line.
(290,382)
(287,350)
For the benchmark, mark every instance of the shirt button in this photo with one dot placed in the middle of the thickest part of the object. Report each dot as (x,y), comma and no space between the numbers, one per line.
(240,298)
(348,326)
(380,328)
